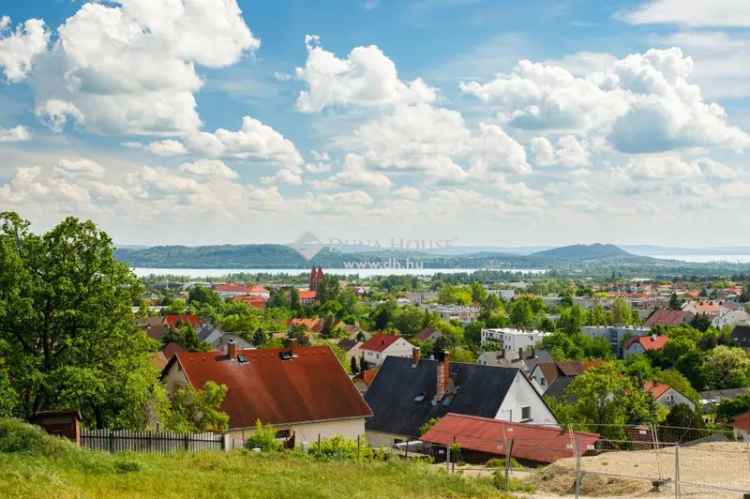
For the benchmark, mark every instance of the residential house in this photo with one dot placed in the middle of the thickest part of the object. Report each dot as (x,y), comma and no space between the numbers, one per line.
(254,301)
(666,395)
(712,398)
(513,341)
(408,392)
(668,317)
(310,325)
(499,358)
(352,348)
(230,289)
(364,379)
(615,335)
(709,308)
(555,376)
(731,318)
(157,326)
(381,346)
(428,334)
(307,296)
(482,439)
(303,392)
(643,344)
(741,426)
(741,336)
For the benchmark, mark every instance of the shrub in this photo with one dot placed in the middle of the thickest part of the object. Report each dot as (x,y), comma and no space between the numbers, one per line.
(18,436)
(264,438)
(340,448)
(127,466)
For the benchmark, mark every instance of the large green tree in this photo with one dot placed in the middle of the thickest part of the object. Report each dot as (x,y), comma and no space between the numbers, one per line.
(67,328)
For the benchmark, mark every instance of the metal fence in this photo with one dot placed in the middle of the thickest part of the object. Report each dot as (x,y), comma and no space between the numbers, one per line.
(156,442)
(671,461)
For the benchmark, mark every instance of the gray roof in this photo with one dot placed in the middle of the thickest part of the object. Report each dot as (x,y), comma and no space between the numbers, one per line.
(741,335)
(479,391)
(557,388)
(727,394)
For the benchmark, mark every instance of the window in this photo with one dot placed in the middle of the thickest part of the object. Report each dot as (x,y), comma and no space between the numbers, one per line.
(542,381)
(525,413)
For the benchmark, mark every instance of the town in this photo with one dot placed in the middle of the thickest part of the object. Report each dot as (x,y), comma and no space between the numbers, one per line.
(447,368)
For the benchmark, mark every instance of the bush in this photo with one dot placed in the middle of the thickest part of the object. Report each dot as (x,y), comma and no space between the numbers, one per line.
(340,448)
(19,436)
(264,439)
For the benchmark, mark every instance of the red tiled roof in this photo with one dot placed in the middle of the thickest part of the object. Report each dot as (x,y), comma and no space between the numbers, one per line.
(257,289)
(742,421)
(656,389)
(174,320)
(306,294)
(309,324)
(667,317)
(649,343)
(230,287)
(426,333)
(170,349)
(311,386)
(252,300)
(380,342)
(541,444)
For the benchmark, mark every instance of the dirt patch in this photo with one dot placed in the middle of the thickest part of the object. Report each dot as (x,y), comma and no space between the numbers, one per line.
(561,480)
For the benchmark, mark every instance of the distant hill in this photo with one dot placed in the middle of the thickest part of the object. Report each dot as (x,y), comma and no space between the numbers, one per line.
(583,252)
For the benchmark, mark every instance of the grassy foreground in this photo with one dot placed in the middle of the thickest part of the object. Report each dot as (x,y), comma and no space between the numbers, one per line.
(48,467)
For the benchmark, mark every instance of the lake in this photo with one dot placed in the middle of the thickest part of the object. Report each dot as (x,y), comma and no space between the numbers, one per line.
(204,273)
(707,258)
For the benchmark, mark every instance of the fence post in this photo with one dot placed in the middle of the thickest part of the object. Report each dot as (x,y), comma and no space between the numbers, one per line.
(578,468)
(111,441)
(187,441)
(358,444)
(508,457)
(448,458)
(677,492)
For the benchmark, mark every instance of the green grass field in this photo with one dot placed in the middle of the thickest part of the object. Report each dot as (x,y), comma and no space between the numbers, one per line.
(33,466)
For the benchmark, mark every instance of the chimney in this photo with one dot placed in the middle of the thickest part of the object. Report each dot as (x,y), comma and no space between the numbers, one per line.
(231,349)
(416,354)
(443,375)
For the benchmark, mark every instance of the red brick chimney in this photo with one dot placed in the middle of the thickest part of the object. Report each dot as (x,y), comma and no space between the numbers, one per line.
(443,376)
(231,349)
(416,354)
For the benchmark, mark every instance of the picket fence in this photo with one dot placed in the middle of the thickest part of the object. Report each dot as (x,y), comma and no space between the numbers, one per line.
(156,442)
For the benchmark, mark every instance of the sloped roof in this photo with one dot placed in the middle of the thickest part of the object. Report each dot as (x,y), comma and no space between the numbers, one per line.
(380,342)
(231,287)
(668,317)
(368,375)
(347,344)
(656,389)
(307,294)
(427,333)
(549,371)
(557,388)
(175,320)
(538,443)
(170,349)
(401,395)
(741,334)
(649,343)
(311,386)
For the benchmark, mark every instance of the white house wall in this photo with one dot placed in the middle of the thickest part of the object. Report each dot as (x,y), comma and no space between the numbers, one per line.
(522,394)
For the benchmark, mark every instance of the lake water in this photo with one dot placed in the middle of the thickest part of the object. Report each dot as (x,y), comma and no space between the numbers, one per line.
(203,273)
(707,258)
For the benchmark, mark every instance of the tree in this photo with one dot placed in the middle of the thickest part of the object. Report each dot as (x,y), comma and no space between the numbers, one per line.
(674,302)
(675,426)
(278,300)
(382,316)
(199,410)
(259,338)
(701,322)
(185,336)
(571,319)
(622,313)
(521,315)
(726,367)
(294,302)
(328,289)
(409,321)
(478,292)
(204,296)
(67,324)
(604,400)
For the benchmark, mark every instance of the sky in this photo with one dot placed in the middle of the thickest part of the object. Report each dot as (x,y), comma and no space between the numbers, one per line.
(479,122)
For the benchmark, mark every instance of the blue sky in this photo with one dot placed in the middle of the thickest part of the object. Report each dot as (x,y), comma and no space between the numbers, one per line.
(484,122)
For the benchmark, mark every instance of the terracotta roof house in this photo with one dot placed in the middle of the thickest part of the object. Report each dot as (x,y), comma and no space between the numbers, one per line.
(482,439)
(364,379)
(381,346)
(642,344)
(312,325)
(668,317)
(230,289)
(741,336)
(709,308)
(170,349)
(666,395)
(301,390)
(741,426)
(254,301)
(407,392)
(177,320)
(307,296)
(428,334)
(352,348)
